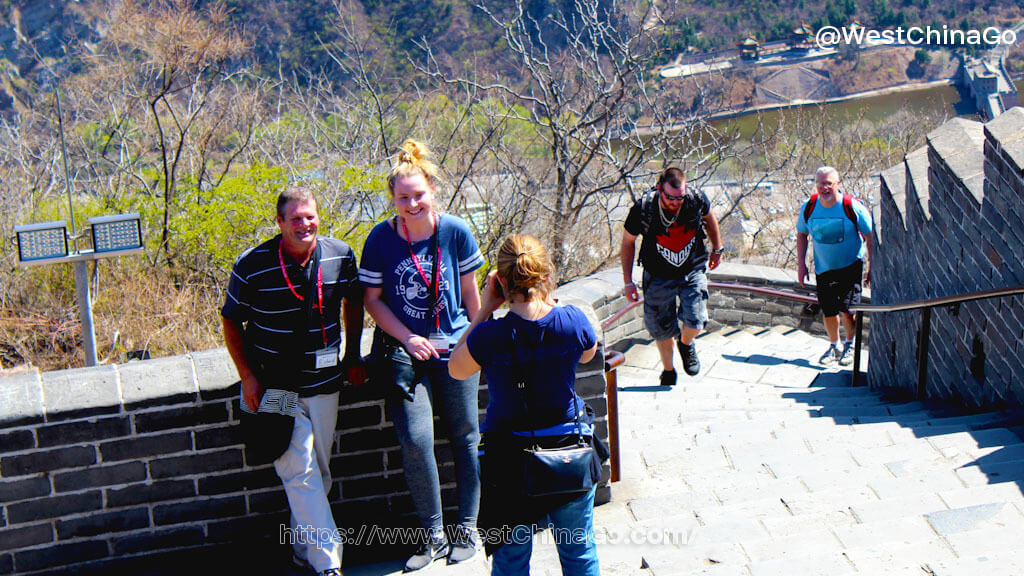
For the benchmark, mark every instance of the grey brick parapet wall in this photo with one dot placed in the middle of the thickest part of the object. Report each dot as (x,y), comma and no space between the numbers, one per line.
(952,222)
(139,466)
(130,468)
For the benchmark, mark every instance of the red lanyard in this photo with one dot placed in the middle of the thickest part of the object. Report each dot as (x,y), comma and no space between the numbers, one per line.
(419,268)
(319,290)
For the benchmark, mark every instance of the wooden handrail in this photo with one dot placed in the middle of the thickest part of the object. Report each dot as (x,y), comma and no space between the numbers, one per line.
(612,360)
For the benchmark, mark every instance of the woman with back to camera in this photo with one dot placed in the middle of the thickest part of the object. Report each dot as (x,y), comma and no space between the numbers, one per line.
(538,343)
(421,309)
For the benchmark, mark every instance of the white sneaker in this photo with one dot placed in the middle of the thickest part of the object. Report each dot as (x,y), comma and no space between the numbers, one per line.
(463,544)
(831,356)
(846,356)
(434,548)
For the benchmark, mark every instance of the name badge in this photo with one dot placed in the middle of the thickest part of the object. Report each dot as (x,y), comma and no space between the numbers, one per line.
(439,342)
(327,357)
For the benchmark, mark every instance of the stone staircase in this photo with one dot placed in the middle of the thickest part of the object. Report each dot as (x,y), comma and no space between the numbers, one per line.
(767,464)
(770,464)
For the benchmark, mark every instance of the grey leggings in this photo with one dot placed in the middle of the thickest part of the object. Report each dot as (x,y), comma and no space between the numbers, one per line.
(414,424)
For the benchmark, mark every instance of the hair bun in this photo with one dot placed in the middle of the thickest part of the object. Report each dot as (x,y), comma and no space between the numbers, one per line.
(412,152)
(524,264)
(412,159)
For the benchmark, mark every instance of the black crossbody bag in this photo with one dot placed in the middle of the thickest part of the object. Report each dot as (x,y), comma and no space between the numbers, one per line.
(559,470)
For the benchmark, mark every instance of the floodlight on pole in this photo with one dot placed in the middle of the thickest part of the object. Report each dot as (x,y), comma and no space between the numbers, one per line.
(40,243)
(48,244)
(121,233)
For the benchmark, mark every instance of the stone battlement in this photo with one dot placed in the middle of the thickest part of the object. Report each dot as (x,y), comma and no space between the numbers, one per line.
(952,222)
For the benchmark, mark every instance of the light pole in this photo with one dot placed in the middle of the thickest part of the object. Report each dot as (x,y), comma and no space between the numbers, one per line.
(48,244)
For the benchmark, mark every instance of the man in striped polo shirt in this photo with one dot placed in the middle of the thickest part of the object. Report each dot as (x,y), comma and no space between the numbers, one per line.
(282,327)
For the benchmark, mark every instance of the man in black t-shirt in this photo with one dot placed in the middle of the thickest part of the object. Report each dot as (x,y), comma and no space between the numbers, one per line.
(673,220)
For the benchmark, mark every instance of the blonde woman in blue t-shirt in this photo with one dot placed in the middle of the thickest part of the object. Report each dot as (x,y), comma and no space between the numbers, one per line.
(417,272)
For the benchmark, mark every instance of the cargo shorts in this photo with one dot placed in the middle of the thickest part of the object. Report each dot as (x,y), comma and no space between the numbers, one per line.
(667,302)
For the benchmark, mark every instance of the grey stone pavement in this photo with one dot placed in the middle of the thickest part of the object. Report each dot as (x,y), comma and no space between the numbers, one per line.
(769,464)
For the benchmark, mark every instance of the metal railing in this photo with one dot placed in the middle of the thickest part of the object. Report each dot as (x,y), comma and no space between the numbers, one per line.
(925,306)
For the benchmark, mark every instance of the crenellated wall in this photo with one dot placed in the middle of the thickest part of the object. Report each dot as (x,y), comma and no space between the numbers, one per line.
(951,223)
(138,468)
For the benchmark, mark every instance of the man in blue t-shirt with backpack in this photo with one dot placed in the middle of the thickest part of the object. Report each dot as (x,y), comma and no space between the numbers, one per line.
(841,228)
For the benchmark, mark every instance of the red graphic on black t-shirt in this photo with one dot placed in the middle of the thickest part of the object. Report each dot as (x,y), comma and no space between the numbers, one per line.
(675,246)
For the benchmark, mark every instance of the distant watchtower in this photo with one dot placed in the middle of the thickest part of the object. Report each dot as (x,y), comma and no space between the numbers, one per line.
(802,37)
(749,48)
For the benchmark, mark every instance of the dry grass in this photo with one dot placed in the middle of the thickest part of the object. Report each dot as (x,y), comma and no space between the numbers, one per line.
(136,311)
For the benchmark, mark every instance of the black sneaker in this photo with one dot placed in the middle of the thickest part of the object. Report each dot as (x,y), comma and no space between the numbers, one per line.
(688,352)
(463,546)
(435,547)
(668,378)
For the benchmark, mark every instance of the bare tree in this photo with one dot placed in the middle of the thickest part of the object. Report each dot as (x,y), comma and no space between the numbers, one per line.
(598,129)
(171,79)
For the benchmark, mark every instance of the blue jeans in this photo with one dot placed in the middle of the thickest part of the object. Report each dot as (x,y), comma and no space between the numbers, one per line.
(573,530)
(412,411)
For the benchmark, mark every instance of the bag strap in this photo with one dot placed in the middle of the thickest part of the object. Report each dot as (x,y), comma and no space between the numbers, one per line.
(647,209)
(521,385)
(847,207)
(434,288)
(809,208)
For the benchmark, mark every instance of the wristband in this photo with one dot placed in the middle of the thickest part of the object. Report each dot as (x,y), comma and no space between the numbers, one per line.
(629,284)
(718,250)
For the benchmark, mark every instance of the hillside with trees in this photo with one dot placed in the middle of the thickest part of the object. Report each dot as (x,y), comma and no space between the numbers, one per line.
(544,117)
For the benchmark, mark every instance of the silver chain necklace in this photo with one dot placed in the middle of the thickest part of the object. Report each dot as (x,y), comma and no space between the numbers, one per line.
(664,219)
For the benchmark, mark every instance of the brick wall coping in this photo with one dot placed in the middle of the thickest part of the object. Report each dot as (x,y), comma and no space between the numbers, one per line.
(30,397)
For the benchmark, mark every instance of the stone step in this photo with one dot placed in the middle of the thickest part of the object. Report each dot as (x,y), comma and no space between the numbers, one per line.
(987,494)
(887,510)
(973,530)
(926,419)
(868,411)
(975,439)
(998,563)
(818,543)
(709,560)
(991,470)
(785,526)
(823,564)
(772,464)
(886,558)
